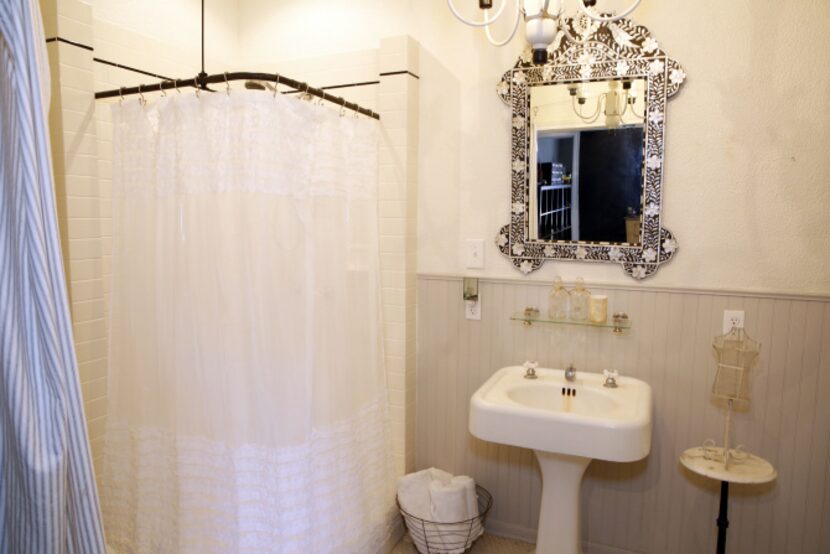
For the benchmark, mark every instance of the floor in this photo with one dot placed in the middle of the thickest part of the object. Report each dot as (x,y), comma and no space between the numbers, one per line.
(487,544)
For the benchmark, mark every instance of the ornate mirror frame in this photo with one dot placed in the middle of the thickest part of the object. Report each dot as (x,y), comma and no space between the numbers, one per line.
(618,50)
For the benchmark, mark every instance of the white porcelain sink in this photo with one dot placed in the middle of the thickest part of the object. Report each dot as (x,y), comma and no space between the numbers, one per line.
(598,422)
(567,424)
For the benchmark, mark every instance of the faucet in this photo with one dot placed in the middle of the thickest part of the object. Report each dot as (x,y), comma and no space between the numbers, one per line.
(611,376)
(530,369)
(570,373)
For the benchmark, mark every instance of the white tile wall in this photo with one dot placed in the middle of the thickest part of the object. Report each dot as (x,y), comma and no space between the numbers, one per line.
(84,224)
(397,97)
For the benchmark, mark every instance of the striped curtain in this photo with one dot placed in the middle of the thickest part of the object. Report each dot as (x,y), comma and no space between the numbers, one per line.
(48,501)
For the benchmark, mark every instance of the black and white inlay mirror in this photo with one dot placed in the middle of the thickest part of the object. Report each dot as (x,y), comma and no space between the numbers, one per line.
(588,132)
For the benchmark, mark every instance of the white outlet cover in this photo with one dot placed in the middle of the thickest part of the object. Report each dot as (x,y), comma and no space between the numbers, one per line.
(474,253)
(732,318)
(472,309)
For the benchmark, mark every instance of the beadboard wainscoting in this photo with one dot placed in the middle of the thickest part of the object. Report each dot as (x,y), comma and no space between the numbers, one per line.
(653,506)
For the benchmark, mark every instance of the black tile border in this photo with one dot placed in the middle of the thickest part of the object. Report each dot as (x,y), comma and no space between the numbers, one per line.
(403,72)
(72,42)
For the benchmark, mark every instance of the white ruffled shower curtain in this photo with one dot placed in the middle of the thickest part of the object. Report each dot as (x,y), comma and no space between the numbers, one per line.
(247,400)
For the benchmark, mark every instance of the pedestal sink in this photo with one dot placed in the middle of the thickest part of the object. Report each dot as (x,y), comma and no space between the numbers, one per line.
(567,424)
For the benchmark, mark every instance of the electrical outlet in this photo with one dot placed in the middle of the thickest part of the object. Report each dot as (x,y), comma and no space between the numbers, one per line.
(474,253)
(732,318)
(472,309)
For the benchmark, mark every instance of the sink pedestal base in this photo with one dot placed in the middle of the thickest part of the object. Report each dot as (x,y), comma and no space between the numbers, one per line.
(559,517)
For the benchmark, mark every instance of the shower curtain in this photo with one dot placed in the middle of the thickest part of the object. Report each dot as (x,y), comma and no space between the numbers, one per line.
(247,403)
(48,501)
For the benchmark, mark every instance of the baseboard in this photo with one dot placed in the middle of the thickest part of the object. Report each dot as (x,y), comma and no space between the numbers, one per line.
(591,548)
(511,530)
(526,534)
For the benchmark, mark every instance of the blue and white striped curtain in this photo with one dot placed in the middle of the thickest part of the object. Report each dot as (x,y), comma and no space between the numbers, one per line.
(48,500)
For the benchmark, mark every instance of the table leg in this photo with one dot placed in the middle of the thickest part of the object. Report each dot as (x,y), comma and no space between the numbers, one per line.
(723,523)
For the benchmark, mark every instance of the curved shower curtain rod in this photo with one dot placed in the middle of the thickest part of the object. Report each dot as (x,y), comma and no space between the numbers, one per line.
(202,80)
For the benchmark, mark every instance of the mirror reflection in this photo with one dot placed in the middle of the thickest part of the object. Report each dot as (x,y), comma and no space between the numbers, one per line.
(586,170)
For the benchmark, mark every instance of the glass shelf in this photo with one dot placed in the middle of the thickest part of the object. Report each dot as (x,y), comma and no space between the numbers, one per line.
(529,319)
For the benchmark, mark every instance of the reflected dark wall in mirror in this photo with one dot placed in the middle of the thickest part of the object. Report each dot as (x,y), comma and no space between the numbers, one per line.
(610,180)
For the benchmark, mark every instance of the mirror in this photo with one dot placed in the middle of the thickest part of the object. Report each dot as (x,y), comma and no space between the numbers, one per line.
(586,157)
(588,133)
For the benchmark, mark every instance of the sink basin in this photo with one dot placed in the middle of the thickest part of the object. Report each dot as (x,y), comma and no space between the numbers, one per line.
(597,422)
(567,424)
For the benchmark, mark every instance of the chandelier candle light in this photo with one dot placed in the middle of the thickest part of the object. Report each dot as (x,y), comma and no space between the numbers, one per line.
(613,104)
(543,21)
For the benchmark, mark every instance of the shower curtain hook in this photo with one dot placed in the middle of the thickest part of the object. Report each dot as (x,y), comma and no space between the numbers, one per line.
(276,86)
(342,106)
(120,95)
(161,88)
(141,96)
(227,85)
(176,84)
(196,84)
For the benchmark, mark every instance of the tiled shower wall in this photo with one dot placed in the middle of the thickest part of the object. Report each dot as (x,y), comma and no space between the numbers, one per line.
(653,506)
(83,206)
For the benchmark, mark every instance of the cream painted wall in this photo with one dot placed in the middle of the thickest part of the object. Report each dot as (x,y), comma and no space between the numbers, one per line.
(747,190)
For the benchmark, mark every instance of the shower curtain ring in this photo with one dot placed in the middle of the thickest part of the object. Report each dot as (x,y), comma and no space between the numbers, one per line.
(141,96)
(342,106)
(276,86)
(227,85)
(176,84)
(196,84)
(161,88)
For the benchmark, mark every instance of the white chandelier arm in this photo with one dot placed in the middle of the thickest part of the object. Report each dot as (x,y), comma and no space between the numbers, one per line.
(586,118)
(512,34)
(543,13)
(487,21)
(609,19)
(638,116)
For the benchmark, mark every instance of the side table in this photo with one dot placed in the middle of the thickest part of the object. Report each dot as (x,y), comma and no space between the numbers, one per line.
(751,471)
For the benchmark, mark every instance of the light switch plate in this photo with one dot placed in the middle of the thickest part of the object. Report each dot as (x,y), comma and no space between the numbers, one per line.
(474,253)
(732,318)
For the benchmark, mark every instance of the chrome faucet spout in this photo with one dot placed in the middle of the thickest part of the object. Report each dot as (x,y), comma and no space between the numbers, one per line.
(570,373)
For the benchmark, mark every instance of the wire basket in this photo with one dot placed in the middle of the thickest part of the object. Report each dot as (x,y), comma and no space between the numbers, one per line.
(432,537)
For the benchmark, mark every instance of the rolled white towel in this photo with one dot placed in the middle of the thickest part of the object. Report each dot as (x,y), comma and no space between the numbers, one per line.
(450,508)
(413,491)
(448,501)
(468,485)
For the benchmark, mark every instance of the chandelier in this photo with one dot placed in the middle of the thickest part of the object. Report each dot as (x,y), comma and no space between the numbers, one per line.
(543,20)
